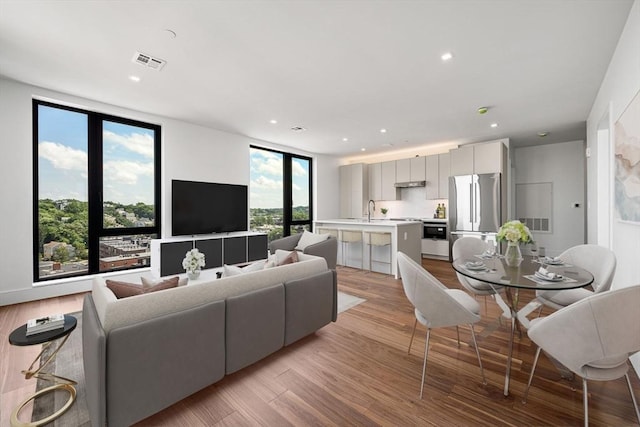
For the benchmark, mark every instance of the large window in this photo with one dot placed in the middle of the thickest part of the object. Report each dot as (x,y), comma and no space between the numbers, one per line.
(280,193)
(96,191)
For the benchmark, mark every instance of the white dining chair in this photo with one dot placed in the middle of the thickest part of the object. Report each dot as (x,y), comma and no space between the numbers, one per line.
(467,248)
(593,338)
(598,260)
(436,306)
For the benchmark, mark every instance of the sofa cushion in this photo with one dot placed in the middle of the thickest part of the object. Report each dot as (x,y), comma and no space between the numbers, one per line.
(232,270)
(152,285)
(286,257)
(308,239)
(124,289)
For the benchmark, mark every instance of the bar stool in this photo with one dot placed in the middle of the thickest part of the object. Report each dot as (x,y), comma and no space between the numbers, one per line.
(347,237)
(330,231)
(379,239)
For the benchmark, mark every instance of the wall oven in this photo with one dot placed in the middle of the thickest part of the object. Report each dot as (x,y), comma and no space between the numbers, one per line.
(434,230)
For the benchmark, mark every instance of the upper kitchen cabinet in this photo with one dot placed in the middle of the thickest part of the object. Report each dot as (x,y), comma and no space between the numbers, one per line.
(437,176)
(478,158)
(353,190)
(382,180)
(388,186)
(412,169)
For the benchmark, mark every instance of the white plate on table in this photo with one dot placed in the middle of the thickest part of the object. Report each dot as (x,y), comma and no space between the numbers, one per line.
(552,261)
(557,278)
(475,266)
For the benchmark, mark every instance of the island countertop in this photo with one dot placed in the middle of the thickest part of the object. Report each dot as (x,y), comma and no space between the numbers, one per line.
(365,222)
(406,236)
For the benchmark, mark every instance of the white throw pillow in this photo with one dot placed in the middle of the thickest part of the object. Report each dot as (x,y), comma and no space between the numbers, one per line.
(308,239)
(234,270)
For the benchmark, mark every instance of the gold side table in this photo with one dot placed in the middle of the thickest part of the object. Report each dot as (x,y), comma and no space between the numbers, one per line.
(49,338)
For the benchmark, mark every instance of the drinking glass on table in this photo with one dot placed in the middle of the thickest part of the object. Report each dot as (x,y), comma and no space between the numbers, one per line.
(534,252)
(491,248)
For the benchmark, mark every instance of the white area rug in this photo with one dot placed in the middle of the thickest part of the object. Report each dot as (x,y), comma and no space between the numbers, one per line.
(346,301)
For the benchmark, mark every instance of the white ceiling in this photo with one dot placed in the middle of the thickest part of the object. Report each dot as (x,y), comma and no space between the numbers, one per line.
(338,68)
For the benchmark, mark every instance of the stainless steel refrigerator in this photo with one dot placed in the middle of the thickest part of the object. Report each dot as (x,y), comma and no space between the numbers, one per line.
(474,206)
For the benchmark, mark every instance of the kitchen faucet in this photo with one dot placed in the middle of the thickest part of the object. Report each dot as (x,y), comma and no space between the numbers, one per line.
(369,210)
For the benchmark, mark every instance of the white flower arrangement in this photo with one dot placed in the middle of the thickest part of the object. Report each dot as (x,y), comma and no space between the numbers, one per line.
(193,260)
(514,232)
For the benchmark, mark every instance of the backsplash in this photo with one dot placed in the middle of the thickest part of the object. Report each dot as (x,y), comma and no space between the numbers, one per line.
(413,205)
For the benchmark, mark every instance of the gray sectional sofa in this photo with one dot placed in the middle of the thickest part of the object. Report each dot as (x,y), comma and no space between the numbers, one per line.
(146,352)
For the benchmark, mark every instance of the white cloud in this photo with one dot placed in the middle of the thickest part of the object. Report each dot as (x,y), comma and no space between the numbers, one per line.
(263,182)
(136,142)
(297,169)
(126,172)
(63,157)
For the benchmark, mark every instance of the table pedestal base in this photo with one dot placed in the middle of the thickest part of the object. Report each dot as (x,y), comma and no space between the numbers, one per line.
(15,422)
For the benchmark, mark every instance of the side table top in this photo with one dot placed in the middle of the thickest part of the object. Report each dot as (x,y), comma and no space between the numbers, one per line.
(19,335)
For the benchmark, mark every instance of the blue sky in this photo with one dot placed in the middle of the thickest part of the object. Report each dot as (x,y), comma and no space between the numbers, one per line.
(62,157)
(266,180)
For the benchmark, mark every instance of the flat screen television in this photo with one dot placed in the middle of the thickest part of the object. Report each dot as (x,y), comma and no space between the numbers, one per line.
(207,207)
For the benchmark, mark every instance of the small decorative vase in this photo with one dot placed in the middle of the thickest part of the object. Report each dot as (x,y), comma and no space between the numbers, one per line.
(513,255)
(193,275)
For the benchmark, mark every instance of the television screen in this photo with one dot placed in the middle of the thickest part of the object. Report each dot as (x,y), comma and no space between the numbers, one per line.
(206,207)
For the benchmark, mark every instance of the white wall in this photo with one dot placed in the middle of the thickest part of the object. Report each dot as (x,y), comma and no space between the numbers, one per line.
(563,165)
(188,152)
(620,85)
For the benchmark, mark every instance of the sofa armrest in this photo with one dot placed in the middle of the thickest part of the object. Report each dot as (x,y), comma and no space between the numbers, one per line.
(288,243)
(327,250)
(94,359)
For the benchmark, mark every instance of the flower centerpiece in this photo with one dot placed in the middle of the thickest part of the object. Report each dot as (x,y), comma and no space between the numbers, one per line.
(192,263)
(514,232)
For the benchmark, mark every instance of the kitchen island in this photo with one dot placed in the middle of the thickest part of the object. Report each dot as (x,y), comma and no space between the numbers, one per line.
(406,236)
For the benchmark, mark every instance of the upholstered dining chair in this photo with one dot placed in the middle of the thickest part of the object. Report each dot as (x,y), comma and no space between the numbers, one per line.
(593,338)
(598,260)
(466,248)
(436,306)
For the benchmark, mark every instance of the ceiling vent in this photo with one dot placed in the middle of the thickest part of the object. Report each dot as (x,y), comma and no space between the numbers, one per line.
(298,129)
(148,61)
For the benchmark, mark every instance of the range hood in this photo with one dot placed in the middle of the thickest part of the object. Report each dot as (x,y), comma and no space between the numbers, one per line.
(410,184)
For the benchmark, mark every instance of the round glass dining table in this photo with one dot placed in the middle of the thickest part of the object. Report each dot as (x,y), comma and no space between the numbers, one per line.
(498,274)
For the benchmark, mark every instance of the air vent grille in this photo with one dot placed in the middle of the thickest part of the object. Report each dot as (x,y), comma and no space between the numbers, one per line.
(148,61)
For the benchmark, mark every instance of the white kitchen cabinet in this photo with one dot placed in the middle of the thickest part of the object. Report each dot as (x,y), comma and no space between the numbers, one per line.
(478,158)
(412,169)
(444,170)
(388,183)
(437,176)
(403,170)
(418,169)
(375,181)
(353,190)
(438,249)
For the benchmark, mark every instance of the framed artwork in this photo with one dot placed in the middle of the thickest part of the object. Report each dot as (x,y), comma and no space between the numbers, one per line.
(627,164)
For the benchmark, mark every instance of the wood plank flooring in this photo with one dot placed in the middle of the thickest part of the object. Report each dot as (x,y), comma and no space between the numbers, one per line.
(357,372)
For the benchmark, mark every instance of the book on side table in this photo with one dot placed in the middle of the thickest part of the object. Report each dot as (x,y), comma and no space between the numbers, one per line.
(44,324)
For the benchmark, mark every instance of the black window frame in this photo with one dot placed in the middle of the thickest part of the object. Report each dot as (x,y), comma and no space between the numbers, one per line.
(96,229)
(287,190)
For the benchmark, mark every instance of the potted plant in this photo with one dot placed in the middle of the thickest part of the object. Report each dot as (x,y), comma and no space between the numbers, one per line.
(384,211)
(193,262)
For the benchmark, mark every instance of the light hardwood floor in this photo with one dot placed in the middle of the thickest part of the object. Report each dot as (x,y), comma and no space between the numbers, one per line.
(357,372)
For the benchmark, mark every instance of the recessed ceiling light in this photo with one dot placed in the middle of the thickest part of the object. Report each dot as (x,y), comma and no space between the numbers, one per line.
(543,134)
(447,56)
(134,78)
(383,131)
(298,129)
(345,139)
(273,121)
(494,125)
(482,110)
(170,33)
(363,149)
